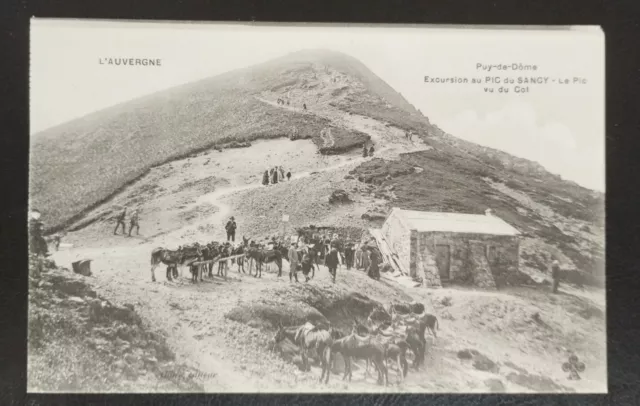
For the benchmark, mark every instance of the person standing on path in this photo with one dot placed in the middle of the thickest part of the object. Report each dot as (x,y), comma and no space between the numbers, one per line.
(555,274)
(337,244)
(373,271)
(120,220)
(231,230)
(134,222)
(289,175)
(274,176)
(265,178)
(37,243)
(348,255)
(293,262)
(306,264)
(332,263)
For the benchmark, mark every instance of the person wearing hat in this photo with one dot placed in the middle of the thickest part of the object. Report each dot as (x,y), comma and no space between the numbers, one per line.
(133,222)
(338,245)
(331,262)
(555,274)
(293,262)
(120,220)
(231,229)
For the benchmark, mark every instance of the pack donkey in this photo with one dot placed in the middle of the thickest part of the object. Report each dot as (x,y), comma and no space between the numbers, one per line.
(173,258)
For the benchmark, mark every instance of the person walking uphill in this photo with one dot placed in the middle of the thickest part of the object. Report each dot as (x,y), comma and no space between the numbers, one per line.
(555,274)
(293,262)
(231,229)
(120,220)
(332,263)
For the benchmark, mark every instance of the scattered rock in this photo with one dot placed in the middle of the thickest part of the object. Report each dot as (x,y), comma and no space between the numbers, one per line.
(465,354)
(373,216)
(82,267)
(482,363)
(446,301)
(339,196)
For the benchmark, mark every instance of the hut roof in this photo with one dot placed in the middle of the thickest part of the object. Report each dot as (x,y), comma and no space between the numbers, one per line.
(456,222)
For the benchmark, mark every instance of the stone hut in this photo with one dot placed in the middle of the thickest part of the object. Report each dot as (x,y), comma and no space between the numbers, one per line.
(458,248)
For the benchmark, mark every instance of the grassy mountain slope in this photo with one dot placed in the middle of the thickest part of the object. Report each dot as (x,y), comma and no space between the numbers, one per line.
(79,164)
(82,163)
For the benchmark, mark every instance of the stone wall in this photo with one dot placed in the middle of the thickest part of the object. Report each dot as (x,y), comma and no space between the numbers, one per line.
(471,262)
(479,266)
(426,265)
(398,237)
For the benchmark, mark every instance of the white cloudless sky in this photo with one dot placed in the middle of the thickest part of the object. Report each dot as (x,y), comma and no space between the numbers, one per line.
(559,126)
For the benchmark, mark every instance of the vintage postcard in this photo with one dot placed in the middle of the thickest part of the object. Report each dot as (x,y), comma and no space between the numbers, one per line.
(236,207)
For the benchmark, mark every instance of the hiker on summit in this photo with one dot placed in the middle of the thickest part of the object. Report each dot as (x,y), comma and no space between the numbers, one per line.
(120,220)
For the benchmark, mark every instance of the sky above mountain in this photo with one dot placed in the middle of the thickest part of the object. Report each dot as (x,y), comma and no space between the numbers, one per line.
(559,126)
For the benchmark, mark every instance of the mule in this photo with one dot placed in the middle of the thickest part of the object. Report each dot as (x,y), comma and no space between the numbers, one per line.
(172,258)
(354,346)
(262,256)
(308,337)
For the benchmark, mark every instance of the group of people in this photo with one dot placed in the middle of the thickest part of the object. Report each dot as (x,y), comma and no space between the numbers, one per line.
(408,135)
(335,254)
(367,151)
(275,175)
(362,257)
(134,222)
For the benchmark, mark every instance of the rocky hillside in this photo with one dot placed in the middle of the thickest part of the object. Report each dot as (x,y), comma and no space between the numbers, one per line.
(81,342)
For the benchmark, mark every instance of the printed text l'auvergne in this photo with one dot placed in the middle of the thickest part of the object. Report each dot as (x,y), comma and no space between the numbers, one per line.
(130,61)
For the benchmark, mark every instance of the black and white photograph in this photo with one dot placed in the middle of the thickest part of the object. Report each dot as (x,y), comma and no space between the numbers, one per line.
(316,208)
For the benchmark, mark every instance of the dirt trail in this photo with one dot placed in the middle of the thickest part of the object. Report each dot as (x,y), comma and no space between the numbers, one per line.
(390,141)
(193,315)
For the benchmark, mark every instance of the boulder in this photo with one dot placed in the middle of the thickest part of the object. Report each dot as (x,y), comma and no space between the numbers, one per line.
(339,196)
(482,363)
(374,215)
(82,267)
